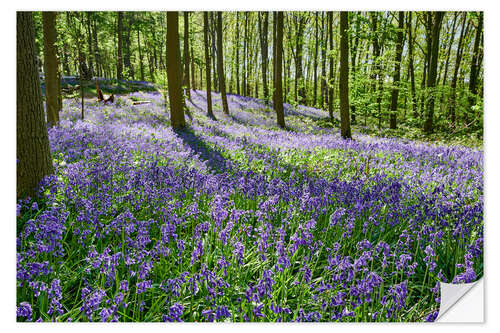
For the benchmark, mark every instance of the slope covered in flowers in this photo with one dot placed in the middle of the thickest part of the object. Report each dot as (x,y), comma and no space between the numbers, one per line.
(236,220)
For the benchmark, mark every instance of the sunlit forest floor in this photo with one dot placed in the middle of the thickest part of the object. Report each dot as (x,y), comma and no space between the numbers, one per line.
(234,219)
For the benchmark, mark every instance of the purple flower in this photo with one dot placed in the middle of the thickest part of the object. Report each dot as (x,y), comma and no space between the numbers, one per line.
(24,310)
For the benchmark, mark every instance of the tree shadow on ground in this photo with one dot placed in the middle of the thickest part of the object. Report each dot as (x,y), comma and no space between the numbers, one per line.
(214,159)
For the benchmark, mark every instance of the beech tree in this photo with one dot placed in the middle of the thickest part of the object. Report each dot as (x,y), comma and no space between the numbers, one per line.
(33,151)
(174,75)
(436,27)
(50,65)
(220,64)
(278,88)
(345,124)
(207,66)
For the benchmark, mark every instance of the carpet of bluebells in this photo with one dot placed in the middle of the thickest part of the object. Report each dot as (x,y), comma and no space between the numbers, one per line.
(237,220)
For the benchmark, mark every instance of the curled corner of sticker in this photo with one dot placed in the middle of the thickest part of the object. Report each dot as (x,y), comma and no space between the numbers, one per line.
(462,302)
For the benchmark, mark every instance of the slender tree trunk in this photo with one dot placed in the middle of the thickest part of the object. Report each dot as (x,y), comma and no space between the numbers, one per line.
(245,67)
(378,66)
(458,59)
(213,44)
(397,69)
(324,46)
(220,64)
(354,53)
(207,66)
(428,29)
(126,44)
(330,79)
(98,64)
(438,18)
(119,60)
(274,57)
(193,79)
(174,75)
(411,66)
(278,106)
(263,27)
(141,65)
(315,63)
(299,74)
(345,125)
(186,84)
(474,64)
(237,45)
(448,53)
(32,143)
(51,67)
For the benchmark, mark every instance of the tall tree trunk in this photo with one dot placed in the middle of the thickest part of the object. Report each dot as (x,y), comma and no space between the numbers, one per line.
(245,46)
(299,73)
(263,27)
(141,65)
(213,44)
(345,125)
(220,64)
(32,143)
(174,75)
(278,106)
(98,64)
(207,66)
(474,64)
(126,44)
(186,84)
(324,46)
(438,18)
(119,60)
(315,63)
(458,59)
(90,54)
(237,45)
(448,53)
(411,67)
(378,67)
(397,69)
(193,80)
(330,78)
(428,32)
(51,65)
(354,52)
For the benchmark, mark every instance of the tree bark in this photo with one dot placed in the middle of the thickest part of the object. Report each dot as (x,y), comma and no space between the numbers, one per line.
(315,63)
(330,78)
(186,84)
(98,64)
(141,65)
(237,55)
(474,63)
(263,27)
(345,125)
(411,67)
(397,69)
(245,66)
(299,74)
(324,46)
(438,18)
(32,146)
(51,66)
(278,106)
(220,64)
(207,66)
(174,75)
(458,59)
(119,60)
